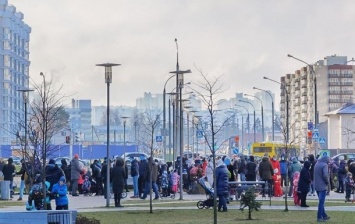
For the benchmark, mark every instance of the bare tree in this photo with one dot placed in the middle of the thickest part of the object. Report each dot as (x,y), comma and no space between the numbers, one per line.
(45,120)
(348,132)
(150,124)
(208,91)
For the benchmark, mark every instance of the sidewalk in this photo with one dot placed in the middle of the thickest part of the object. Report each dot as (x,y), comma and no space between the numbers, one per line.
(98,203)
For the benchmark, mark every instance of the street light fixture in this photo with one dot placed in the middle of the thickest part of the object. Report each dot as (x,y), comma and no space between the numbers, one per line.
(108,80)
(25,95)
(124,136)
(262,113)
(254,117)
(315,89)
(164,117)
(272,108)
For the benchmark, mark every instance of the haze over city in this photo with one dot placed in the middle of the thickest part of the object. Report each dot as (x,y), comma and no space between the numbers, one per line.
(243,40)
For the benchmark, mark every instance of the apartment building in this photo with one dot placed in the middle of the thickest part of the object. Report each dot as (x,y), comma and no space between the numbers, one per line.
(14,71)
(332,78)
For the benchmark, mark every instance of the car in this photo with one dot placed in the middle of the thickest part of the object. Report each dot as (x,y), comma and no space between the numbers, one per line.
(347,156)
(58,161)
(16,160)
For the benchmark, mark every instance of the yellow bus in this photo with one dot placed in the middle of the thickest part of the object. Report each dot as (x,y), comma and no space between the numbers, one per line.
(274,148)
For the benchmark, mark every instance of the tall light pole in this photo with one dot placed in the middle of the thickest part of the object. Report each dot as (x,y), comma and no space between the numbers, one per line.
(164,117)
(124,136)
(197,130)
(315,93)
(315,88)
(25,95)
(272,108)
(108,80)
(179,86)
(286,139)
(262,113)
(254,117)
(243,122)
(172,103)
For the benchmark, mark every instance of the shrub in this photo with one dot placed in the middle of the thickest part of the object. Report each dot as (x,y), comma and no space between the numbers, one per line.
(84,220)
(248,200)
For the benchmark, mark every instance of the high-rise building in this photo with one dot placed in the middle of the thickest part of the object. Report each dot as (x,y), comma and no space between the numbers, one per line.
(80,119)
(14,70)
(334,86)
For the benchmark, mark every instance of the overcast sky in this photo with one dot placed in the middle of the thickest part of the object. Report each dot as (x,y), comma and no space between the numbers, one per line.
(243,40)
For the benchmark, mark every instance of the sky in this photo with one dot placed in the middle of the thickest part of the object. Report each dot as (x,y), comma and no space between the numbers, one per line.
(242,40)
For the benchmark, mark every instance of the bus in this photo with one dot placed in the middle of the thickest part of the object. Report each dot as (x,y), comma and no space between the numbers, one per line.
(274,148)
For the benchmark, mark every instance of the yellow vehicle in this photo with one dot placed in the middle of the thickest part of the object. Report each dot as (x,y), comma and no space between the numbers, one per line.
(274,148)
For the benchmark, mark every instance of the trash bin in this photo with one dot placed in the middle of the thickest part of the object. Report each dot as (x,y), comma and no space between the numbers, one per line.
(5,189)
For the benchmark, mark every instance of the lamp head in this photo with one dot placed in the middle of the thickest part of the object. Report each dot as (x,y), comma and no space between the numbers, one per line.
(290,56)
(265,77)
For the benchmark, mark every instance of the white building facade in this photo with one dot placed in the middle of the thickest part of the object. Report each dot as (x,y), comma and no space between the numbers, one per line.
(14,71)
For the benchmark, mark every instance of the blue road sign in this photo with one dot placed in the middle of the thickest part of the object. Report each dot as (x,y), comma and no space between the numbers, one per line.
(322,140)
(315,135)
(310,125)
(158,138)
(199,134)
(235,151)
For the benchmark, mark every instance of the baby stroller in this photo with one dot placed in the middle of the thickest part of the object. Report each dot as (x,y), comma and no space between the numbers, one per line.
(209,194)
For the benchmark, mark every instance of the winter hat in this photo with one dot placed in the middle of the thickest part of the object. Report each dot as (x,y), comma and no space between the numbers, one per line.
(51,161)
(62,178)
(10,160)
(219,162)
(76,156)
(341,157)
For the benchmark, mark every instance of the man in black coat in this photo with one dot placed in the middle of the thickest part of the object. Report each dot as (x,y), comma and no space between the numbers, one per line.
(9,171)
(304,183)
(53,173)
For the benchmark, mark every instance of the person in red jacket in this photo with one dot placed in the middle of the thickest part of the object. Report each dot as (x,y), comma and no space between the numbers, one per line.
(275,166)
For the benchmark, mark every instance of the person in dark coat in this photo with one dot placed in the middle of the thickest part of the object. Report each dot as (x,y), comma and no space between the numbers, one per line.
(313,162)
(53,173)
(341,175)
(96,175)
(135,176)
(104,175)
(250,168)
(126,176)
(222,184)
(118,176)
(8,171)
(75,172)
(143,170)
(66,169)
(304,183)
(266,172)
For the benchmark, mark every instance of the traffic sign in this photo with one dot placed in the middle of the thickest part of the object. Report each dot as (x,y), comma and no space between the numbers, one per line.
(322,140)
(199,134)
(158,138)
(310,125)
(235,151)
(315,135)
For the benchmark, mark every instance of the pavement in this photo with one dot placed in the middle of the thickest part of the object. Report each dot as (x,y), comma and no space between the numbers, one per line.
(98,203)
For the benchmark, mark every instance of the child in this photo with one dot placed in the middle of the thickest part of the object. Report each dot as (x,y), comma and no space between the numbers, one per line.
(86,186)
(165,183)
(349,185)
(174,177)
(296,198)
(277,183)
(36,197)
(60,191)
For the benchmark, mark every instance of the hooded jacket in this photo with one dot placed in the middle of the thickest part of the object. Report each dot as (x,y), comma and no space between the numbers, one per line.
(61,193)
(222,179)
(295,167)
(265,169)
(305,178)
(321,175)
(53,174)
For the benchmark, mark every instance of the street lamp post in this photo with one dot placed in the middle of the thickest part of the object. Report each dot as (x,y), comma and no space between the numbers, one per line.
(254,117)
(242,124)
(124,136)
(179,86)
(25,95)
(286,139)
(262,114)
(164,118)
(272,108)
(108,80)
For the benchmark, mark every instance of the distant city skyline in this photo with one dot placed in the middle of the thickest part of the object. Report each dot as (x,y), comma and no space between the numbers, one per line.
(244,40)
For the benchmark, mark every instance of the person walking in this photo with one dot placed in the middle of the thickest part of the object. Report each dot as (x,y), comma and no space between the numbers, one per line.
(266,172)
(75,175)
(222,185)
(152,175)
(313,162)
(118,181)
(321,182)
(8,171)
(143,169)
(135,176)
(304,183)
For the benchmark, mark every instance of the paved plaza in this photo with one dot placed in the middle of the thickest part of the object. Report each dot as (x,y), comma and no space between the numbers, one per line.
(98,203)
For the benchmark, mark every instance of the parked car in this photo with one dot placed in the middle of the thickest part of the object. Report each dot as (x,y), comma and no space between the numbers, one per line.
(347,156)
(16,160)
